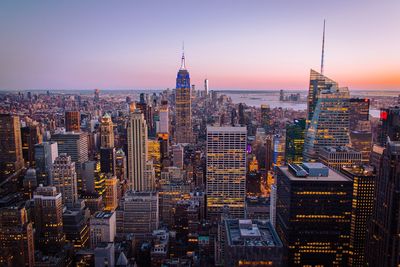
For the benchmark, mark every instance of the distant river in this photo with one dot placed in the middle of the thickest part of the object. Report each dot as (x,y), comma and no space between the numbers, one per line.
(271,98)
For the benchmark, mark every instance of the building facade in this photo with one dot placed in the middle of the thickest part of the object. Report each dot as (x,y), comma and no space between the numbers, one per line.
(226,170)
(183,106)
(313,213)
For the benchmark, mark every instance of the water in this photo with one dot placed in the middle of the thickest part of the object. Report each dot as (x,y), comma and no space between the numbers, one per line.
(271,98)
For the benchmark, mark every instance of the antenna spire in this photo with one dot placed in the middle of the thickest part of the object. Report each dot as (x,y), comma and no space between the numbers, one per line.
(183,64)
(323,50)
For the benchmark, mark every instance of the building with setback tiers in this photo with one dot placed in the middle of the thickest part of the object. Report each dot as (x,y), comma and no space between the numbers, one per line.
(328,116)
(183,108)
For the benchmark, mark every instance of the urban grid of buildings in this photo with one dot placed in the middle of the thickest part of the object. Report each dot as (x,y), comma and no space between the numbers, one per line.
(186,177)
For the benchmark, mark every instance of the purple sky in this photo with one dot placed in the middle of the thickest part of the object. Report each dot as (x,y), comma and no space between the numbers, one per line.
(235,44)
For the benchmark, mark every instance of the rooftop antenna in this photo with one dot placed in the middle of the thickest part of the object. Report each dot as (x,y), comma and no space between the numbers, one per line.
(183,65)
(323,50)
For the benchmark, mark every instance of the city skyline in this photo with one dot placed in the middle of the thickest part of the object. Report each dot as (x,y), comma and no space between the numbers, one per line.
(236,45)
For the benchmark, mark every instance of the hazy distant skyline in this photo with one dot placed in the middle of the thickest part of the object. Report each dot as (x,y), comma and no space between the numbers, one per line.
(235,44)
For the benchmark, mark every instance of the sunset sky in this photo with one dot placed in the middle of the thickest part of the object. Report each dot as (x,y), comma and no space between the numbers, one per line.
(235,44)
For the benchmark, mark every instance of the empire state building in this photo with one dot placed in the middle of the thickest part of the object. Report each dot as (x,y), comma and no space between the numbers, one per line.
(183,110)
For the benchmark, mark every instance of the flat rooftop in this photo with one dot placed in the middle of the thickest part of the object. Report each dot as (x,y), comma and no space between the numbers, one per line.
(332,176)
(103,214)
(251,233)
(225,129)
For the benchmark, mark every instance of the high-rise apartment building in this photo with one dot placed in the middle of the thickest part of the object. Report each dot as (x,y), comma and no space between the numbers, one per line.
(64,179)
(313,214)
(11,158)
(363,178)
(226,170)
(328,116)
(383,237)
(183,106)
(49,233)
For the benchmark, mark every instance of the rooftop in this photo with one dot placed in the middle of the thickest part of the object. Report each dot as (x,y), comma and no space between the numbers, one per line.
(304,172)
(334,149)
(213,129)
(103,214)
(251,233)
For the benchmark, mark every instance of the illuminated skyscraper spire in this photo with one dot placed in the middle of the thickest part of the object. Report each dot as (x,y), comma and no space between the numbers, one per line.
(323,50)
(183,64)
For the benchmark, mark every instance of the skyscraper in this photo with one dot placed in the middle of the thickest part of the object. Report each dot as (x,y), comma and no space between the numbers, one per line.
(106,132)
(360,127)
(72,121)
(358,111)
(226,170)
(45,155)
(30,136)
(363,178)
(11,158)
(137,153)
(383,230)
(205,87)
(390,125)
(75,145)
(295,132)
(265,117)
(328,116)
(163,126)
(318,83)
(183,108)
(16,236)
(313,214)
(48,219)
(64,179)
(107,160)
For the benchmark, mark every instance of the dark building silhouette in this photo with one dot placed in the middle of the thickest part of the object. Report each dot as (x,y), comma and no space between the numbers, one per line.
(313,214)
(383,237)
(390,125)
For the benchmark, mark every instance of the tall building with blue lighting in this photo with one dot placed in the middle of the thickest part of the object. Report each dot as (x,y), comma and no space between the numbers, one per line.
(183,109)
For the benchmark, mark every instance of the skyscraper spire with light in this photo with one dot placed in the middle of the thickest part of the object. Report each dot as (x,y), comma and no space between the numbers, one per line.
(183,109)
(323,50)
(183,63)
